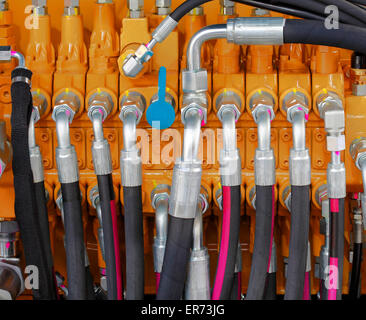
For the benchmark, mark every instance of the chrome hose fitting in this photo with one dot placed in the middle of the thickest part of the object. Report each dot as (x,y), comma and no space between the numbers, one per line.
(330,107)
(6,150)
(227,8)
(160,202)
(100,106)
(133,106)
(358,154)
(40,7)
(295,104)
(95,201)
(198,278)
(163,7)
(135,8)
(262,108)
(67,104)
(228,105)
(34,150)
(11,277)
(71,7)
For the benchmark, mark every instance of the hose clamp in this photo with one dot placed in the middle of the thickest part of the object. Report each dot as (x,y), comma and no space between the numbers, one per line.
(22,79)
(300,167)
(67,164)
(186,186)
(264,167)
(336,180)
(131,168)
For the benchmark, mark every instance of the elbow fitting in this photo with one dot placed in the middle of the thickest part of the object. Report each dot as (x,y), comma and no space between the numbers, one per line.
(230,162)
(262,107)
(6,54)
(132,108)
(160,202)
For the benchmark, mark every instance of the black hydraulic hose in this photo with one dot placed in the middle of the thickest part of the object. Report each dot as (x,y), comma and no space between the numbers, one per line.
(42,213)
(235,287)
(176,258)
(25,205)
(262,242)
(90,295)
(106,195)
(270,291)
(315,32)
(224,278)
(185,8)
(336,246)
(134,241)
(74,241)
(323,290)
(299,235)
(348,7)
(354,288)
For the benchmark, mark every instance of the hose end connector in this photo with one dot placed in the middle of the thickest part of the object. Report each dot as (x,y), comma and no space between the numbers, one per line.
(295,101)
(132,102)
(68,102)
(300,167)
(264,167)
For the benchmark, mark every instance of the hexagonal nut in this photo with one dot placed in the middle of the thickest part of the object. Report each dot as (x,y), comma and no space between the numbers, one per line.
(131,66)
(133,101)
(227,3)
(328,100)
(39,3)
(100,101)
(194,81)
(163,3)
(334,121)
(262,101)
(294,101)
(162,191)
(228,100)
(39,103)
(358,151)
(194,101)
(71,3)
(66,101)
(336,143)
(135,5)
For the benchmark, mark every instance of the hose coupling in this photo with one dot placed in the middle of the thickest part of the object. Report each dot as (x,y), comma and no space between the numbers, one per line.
(203,200)
(185,190)
(34,149)
(193,102)
(300,167)
(336,180)
(256,31)
(132,102)
(159,202)
(194,81)
(101,102)
(264,167)
(330,107)
(5,148)
(295,102)
(6,54)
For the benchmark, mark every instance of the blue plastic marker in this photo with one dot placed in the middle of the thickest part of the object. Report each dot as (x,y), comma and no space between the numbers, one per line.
(161,114)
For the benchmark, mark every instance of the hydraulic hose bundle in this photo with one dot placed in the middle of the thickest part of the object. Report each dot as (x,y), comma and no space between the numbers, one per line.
(28,208)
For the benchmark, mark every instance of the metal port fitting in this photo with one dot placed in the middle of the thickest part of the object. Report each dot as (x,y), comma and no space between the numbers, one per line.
(286,197)
(228,100)
(71,7)
(218,196)
(336,180)
(39,103)
(163,7)
(357,151)
(300,167)
(227,7)
(160,192)
(185,189)
(5,149)
(4,5)
(34,150)
(256,31)
(132,102)
(194,81)
(40,7)
(198,11)
(168,98)
(8,238)
(193,102)
(295,101)
(136,8)
(101,102)
(66,101)
(262,101)
(134,63)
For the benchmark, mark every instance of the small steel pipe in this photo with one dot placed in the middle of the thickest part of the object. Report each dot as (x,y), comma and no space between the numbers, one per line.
(229,132)
(19,57)
(217,31)
(31,132)
(161,218)
(336,157)
(63,129)
(98,125)
(264,130)
(129,131)
(198,230)
(192,133)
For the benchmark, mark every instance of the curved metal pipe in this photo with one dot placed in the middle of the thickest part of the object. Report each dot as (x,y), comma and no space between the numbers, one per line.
(264,130)
(19,57)
(336,157)
(298,131)
(229,132)
(31,132)
(161,219)
(63,129)
(98,126)
(198,230)
(215,31)
(129,131)
(192,133)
